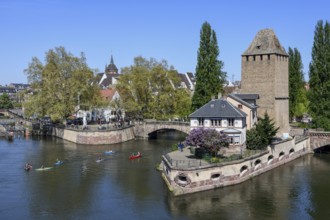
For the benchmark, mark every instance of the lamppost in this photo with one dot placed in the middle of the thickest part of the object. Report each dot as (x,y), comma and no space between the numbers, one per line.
(78,106)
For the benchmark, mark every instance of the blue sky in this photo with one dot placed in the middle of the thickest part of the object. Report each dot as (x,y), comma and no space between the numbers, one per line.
(167,30)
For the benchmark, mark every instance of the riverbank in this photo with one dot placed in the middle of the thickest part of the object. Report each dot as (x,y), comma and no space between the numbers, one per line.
(95,137)
(184,174)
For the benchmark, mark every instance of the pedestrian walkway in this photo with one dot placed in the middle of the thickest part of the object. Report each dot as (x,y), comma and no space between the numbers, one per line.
(184,159)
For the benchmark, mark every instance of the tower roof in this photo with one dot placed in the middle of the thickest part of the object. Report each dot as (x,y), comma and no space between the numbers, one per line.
(111,68)
(265,42)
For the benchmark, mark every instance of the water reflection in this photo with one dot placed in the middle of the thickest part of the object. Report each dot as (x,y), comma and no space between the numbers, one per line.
(287,192)
(118,188)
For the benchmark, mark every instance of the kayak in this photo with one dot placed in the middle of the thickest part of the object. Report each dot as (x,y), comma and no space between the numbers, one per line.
(132,157)
(43,168)
(109,152)
(57,163)
(99,160)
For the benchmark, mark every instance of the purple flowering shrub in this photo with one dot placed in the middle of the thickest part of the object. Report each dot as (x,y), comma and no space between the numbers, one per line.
(210,140)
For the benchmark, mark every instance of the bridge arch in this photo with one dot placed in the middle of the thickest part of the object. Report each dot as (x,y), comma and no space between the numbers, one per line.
(147,129)
(319,140)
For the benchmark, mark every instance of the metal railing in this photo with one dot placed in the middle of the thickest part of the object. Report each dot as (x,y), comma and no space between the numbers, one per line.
(207,160)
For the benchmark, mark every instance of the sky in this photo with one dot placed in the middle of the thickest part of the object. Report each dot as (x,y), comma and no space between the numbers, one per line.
(168,30)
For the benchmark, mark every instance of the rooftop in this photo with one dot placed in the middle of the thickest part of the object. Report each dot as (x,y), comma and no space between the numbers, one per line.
(218,108)
(265,42)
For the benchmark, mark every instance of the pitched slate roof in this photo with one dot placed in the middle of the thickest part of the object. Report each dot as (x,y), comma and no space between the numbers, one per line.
(265,42)
(244,99)
(218,108)
(184,80)
(247,96)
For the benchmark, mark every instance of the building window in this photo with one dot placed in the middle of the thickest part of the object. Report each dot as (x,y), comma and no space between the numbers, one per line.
(268,56)
(231,122)
(254,58)
(240,106)
(216,123)
(247,58)
(260,57)
(236,140)
(231,140)
(201,121)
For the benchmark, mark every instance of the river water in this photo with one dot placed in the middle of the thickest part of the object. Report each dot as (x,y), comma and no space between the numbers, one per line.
(118,188)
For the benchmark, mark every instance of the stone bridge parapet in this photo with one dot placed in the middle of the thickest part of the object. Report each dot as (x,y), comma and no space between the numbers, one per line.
(144,129)
(319,139)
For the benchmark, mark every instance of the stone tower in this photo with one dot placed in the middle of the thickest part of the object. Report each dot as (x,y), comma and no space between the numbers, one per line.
(265,72)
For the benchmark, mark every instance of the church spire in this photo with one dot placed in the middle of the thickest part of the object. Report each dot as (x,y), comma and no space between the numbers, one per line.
(111,68)
(111,60)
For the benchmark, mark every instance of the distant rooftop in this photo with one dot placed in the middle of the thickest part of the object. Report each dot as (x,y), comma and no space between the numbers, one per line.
(265,42)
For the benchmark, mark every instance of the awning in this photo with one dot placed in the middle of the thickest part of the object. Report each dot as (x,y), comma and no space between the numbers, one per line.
(232,131)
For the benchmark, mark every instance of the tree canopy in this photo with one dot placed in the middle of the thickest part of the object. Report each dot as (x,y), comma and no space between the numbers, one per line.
(260,137)
(209,75)
(59,84)
(297,92)
(319,77)
(5,102)
(210,140)
(151,89)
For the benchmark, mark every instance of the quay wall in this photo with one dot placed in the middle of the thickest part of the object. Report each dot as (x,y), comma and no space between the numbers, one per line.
(95,137)
(189,180)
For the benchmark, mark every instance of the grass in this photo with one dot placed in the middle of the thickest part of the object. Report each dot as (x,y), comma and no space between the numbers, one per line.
(222,159)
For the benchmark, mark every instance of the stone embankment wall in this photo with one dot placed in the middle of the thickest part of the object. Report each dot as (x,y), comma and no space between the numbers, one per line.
(95,137)
(182,181)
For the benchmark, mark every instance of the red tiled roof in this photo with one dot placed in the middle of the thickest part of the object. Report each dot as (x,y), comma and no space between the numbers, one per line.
(108,94)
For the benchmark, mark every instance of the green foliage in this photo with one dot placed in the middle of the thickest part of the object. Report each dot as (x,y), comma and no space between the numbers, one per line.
(209,75)
(319,75)
(5,102)
(208,140)
(150,89)
(57,84)
(297,92)
(254,140)
(260,137)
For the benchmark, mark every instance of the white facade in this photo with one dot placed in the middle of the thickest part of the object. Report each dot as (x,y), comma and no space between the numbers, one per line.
(233,127)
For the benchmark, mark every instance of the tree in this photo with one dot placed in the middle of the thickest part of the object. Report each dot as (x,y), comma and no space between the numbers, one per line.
(150,89)
(209,75)
(5,102)
(261,136)
(297,92)
(210,140)
(319,77)
(57,84)
(254,140)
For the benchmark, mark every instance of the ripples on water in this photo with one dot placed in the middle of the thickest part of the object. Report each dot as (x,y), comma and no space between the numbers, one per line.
(118,188)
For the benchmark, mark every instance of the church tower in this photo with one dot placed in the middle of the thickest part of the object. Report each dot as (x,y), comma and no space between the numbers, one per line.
(265,72)
(111,68)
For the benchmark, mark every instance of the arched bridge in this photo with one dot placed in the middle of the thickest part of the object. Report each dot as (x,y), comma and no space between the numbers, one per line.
(318,139)
(145,129)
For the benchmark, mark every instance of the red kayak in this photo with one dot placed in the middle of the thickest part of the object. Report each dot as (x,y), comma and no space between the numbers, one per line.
(132,157)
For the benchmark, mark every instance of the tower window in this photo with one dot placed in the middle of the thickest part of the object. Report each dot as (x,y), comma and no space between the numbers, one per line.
(268,56)
(260,57)
(254,58)
(247,58)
